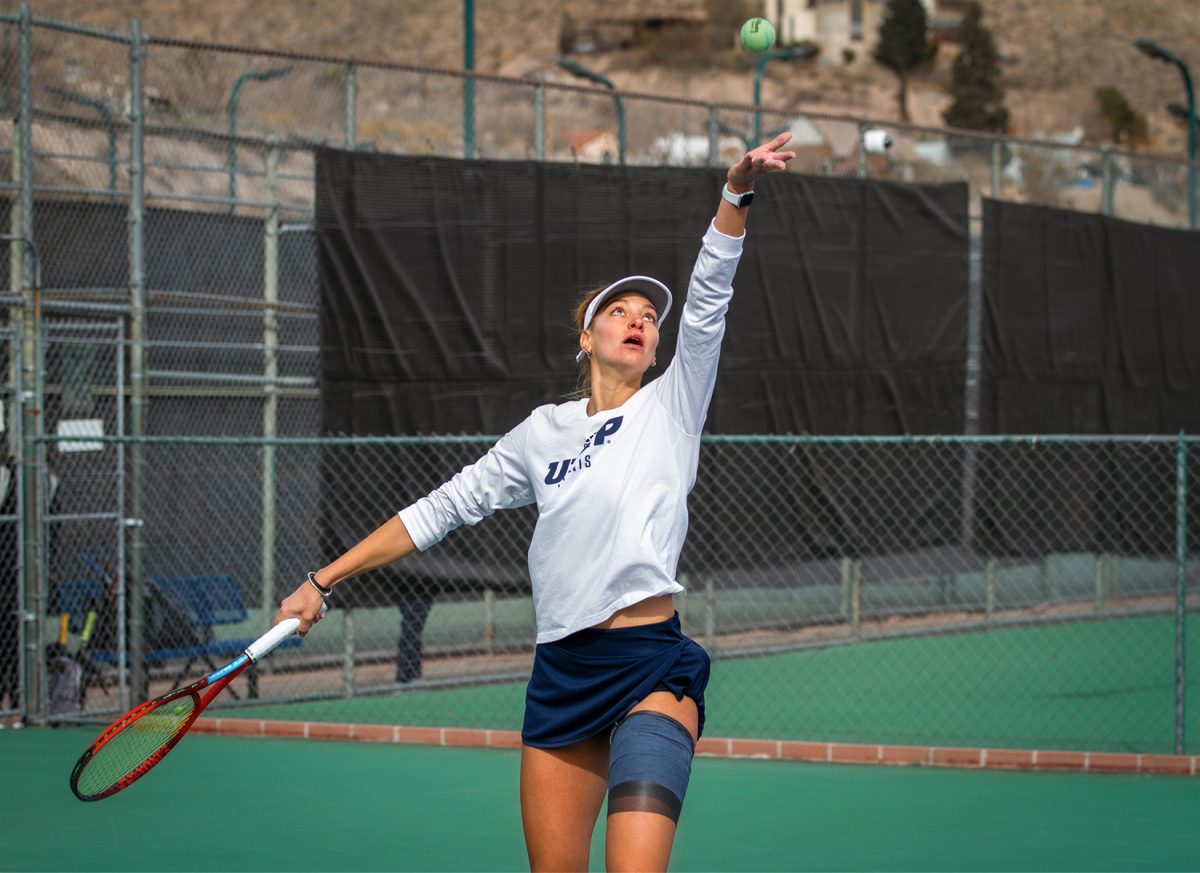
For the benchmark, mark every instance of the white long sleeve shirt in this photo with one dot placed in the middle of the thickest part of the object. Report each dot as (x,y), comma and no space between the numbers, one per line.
(611,488)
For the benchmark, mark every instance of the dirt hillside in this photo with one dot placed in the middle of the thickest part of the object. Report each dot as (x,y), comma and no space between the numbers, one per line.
(1056,52)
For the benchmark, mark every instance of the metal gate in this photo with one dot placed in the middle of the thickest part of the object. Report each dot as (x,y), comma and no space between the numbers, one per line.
(82,495)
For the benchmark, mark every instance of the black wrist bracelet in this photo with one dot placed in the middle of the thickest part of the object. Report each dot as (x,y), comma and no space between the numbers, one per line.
(321,589)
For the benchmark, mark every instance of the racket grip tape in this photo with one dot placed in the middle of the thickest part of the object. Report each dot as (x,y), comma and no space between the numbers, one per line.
(276,635)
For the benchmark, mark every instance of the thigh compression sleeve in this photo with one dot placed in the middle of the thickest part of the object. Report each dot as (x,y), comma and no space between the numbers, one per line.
(649,765)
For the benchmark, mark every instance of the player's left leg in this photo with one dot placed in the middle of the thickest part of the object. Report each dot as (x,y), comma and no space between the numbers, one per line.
(650,764)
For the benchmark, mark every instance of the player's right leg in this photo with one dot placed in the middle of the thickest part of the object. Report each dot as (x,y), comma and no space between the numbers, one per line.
(562,791)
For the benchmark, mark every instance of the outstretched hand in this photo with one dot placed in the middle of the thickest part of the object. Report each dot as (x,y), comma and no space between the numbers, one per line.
(305,604)
(767,158)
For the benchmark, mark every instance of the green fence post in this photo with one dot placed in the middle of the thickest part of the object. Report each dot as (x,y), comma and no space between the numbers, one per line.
(1181,556)
(1108,181)
(468,80)
(138,681)
(350,105)
(714,137)
(846,577)
(270,407)
(863,168)
(1053,589)
(683,601)
(856,598)
(990,600)
(1098,583)
(710,615)
(489,621)
(997,154)
(348,653)
(32,606)
(539,122)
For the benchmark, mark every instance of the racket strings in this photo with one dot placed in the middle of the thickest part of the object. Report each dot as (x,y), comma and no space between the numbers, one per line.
(136,747)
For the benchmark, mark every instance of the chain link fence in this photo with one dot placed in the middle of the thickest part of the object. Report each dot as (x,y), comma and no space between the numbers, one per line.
(996,592)
(860,590)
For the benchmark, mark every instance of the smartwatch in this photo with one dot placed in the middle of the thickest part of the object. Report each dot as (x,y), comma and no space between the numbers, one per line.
(739,200)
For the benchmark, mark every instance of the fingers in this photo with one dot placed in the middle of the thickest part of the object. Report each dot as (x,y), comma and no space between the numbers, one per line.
(770,150)
(306,623)
(765,159)
(765,155)
(773,161)
(306,626)
(304,604)
(780,140)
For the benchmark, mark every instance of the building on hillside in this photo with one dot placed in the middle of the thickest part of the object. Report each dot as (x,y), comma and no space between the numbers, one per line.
(680,149)
(617,24)
(945,27)
(834,24)
(594,147)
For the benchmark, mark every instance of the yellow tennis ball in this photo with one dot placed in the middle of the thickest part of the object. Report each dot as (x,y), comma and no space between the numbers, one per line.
(758,35)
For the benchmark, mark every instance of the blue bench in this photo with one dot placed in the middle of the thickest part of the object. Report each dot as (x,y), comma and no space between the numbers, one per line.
(203,601)
(209,601)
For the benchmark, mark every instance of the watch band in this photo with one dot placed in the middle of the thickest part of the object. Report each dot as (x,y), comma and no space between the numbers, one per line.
(739,200)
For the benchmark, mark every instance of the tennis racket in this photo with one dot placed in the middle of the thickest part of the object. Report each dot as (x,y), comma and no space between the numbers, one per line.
(138,740)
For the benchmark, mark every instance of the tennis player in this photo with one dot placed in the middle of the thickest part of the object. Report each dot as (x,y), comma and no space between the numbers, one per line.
(615,703)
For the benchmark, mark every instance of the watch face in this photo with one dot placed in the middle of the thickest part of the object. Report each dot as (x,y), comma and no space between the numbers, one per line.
(744,199)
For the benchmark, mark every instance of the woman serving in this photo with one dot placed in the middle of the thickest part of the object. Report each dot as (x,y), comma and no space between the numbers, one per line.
(615,702)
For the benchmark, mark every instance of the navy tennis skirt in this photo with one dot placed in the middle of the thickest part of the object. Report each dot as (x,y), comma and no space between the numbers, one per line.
(584,684)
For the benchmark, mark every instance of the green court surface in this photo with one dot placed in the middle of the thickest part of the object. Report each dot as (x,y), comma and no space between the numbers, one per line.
(1093,685)
(228,803)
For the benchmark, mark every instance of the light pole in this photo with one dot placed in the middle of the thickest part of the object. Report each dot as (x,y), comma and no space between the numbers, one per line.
(796,54)
(258,76)
(726,129)
(1180,112)
(1152,49)
(1192,120)
(469,82)
(577,69)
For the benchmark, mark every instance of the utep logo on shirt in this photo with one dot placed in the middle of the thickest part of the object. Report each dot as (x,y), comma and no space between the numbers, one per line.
(558,471)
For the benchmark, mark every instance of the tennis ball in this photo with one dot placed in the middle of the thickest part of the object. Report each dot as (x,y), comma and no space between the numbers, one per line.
(758,35)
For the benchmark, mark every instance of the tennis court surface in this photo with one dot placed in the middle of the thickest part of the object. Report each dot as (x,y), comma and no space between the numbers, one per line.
(234,803)
(1097,687)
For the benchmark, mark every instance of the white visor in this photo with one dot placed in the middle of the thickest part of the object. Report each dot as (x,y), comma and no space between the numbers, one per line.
(655,291)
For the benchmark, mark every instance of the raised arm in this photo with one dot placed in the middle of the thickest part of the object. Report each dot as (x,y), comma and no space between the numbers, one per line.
(687,385)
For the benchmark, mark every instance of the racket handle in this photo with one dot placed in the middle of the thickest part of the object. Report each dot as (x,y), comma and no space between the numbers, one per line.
(64,621)
(272,638)
(88,627)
